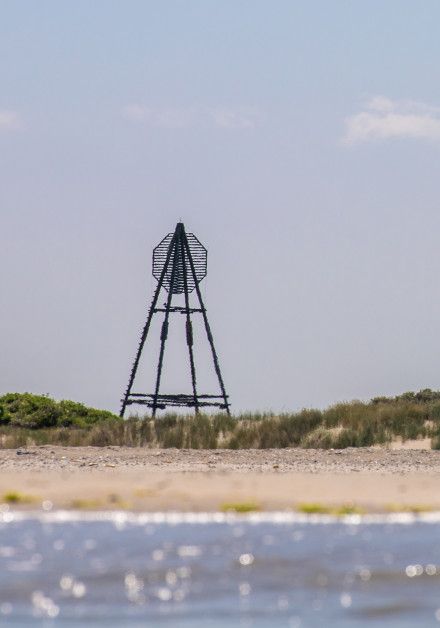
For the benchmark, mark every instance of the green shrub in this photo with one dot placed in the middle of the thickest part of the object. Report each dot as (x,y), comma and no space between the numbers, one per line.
(73,413)
(31,411)
(38,411)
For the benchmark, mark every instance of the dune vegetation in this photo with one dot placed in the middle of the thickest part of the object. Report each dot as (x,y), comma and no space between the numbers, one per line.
(27,419)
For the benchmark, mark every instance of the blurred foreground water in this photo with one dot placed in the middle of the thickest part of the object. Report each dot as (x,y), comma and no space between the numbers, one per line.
(266,571)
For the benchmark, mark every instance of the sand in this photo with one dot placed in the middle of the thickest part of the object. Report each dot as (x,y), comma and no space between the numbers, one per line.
(375,479)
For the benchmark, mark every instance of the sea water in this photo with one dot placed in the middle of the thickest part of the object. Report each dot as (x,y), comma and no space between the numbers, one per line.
(214,570)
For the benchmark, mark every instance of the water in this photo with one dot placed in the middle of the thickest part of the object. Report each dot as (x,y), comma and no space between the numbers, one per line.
(265,571)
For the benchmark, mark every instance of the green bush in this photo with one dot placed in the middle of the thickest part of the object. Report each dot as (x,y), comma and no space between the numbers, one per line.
(30,411)
(38,411)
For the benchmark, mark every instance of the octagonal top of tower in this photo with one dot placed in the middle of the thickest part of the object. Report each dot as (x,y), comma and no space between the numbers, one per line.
(182,259)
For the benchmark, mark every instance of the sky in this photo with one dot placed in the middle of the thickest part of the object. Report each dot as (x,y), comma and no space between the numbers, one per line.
(300,142)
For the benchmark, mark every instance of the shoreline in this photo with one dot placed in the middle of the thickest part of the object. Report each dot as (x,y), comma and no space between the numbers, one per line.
(120,518)
(146,480)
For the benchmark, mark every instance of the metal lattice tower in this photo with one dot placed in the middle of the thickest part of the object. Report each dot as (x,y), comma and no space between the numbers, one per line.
(179,265)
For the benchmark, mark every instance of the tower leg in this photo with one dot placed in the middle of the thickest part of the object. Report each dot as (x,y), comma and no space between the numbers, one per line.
(189,331)
(164,332)
(207,327)
(146,329)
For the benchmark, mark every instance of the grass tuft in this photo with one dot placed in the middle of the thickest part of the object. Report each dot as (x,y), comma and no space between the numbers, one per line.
(412,508)
(86,504)
(14,497)
(313,509)
(322,509)
(240,507)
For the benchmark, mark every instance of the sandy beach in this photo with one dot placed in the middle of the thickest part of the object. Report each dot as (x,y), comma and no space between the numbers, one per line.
(205,480)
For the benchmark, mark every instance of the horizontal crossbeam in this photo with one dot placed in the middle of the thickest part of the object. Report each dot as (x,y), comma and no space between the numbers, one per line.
(176,396)
(188,404)
(177,308)
(190,401)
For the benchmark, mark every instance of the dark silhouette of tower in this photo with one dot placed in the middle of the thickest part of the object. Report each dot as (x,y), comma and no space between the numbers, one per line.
(179,265)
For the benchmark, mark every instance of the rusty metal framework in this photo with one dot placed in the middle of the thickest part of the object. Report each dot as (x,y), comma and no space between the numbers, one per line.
(179,265)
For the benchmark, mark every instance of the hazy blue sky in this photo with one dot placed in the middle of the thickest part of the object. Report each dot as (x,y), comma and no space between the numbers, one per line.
(299,140)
